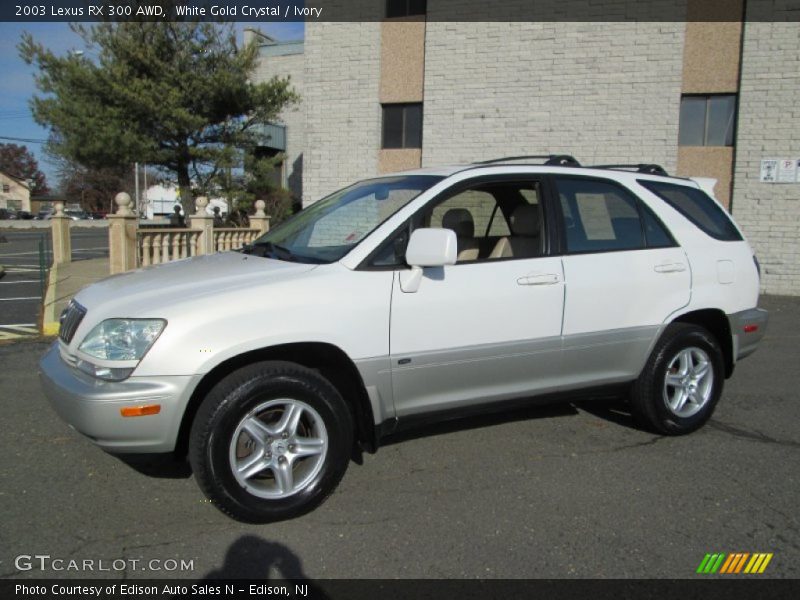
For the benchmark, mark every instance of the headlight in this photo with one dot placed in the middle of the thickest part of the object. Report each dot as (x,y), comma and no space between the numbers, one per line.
(122,339)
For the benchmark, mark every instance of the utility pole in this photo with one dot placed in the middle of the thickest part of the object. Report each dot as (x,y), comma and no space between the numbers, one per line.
(136,186)
(146,203)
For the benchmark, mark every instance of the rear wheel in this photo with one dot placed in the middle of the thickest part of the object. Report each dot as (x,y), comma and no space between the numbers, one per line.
(681,383)
(271,441)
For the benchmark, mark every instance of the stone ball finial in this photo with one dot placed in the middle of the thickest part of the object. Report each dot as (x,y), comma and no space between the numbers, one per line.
(260,206)
(200,204)
(123,201)
(59,209)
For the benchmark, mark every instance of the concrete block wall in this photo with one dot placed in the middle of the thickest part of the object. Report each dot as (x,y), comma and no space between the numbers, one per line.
(604,92)
(343,115)
(769,127)
(294,118)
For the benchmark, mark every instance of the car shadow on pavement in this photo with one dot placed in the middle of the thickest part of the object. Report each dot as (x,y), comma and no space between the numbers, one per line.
(613,410)
(161,466)
(477,421)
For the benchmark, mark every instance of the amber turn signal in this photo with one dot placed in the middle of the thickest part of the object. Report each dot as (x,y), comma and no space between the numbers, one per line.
(140,411)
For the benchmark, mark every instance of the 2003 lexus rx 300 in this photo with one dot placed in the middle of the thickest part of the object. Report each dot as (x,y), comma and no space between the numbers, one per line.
(421,294)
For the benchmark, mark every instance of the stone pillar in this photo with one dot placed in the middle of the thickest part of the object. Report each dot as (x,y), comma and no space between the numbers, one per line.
(122,230)
(204,223)
(260,220)
(62,242)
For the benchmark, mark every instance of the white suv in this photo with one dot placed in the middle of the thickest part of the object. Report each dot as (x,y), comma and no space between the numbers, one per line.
(419,295)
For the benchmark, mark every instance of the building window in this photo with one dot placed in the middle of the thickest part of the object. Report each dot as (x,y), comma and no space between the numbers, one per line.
(6,188)
(707,120)
(402,126)
(405,8)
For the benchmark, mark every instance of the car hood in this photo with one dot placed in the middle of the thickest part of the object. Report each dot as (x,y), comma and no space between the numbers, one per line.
(153,290)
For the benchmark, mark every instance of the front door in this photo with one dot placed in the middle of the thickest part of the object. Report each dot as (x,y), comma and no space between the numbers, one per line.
(487,328)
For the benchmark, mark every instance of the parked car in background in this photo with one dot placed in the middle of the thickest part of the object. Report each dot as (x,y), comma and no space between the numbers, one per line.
(24,215)
(76,214)
(405,298)
(5,214)
(98,215)
(44,214)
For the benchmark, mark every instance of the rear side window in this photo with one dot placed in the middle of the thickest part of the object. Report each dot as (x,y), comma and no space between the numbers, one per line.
(599,216)
(698,207)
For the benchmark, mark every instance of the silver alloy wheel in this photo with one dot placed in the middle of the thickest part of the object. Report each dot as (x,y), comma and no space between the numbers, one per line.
(278,448)
(689,382)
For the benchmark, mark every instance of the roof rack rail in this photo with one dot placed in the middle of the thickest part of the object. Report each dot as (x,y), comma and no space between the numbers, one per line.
(563,160)
(649,169)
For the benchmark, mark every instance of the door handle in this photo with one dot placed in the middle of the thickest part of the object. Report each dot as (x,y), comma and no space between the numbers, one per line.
(545,279)
(669,268)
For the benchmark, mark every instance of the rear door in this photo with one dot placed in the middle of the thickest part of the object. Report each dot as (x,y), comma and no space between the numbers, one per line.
(624,275)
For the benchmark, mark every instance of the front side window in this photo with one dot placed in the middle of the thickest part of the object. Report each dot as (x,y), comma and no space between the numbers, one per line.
(330,228)
(599,216)
(402,126)
(707,120)
(491,221)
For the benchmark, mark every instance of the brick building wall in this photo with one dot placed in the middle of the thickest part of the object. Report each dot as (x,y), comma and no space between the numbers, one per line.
(343,115)
(604,92)
(769,127)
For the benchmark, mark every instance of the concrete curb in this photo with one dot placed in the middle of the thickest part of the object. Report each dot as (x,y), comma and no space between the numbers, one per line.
(50,324)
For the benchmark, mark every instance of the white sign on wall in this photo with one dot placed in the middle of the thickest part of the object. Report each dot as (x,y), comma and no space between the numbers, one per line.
(787,170)
(780,170)
(769,170)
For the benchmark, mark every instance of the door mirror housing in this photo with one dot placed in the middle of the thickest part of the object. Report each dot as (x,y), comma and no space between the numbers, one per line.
(427,247)
(430,247)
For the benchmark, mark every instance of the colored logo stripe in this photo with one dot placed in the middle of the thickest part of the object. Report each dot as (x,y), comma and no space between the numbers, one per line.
(734,563)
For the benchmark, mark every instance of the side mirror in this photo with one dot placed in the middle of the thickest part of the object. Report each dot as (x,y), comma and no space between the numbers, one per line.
(427,248)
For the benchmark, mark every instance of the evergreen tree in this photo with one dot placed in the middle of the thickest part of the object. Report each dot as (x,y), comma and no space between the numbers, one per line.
(177,95)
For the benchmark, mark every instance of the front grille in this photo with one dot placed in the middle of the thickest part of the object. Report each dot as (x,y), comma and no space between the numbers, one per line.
(70,319)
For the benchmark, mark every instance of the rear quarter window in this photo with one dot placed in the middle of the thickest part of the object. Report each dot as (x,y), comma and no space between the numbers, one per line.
(698,207)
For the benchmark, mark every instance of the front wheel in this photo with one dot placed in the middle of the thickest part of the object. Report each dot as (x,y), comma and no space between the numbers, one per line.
(271,441)
(681,383)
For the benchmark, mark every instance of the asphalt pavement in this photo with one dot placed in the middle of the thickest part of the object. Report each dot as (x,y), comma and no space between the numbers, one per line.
(20,286)
(573,490)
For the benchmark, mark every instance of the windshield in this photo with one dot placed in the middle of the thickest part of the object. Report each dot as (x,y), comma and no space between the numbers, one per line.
(327,230)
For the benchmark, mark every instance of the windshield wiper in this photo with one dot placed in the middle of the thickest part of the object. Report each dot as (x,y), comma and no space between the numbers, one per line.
(271,250)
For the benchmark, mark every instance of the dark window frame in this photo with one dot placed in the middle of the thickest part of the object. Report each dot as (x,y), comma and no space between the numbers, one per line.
(403,8)
(706,120)
(403,133)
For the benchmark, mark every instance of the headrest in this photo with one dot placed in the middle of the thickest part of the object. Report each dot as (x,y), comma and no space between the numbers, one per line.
(525,220)
(460,221)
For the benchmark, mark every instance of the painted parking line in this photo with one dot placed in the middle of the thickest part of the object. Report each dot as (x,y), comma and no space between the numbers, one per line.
(20,281)
(18,331)
(21,298)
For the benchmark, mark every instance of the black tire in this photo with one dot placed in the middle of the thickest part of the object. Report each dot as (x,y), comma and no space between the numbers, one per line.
(651,396)
(223,414)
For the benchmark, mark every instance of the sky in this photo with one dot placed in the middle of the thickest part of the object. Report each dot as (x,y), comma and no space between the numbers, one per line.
(18,85)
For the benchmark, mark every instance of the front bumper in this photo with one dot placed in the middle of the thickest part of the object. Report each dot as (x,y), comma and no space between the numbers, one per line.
(747,329)
(92,407)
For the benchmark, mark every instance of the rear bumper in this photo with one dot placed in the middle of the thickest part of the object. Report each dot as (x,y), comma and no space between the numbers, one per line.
(747,330)
(92,407)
